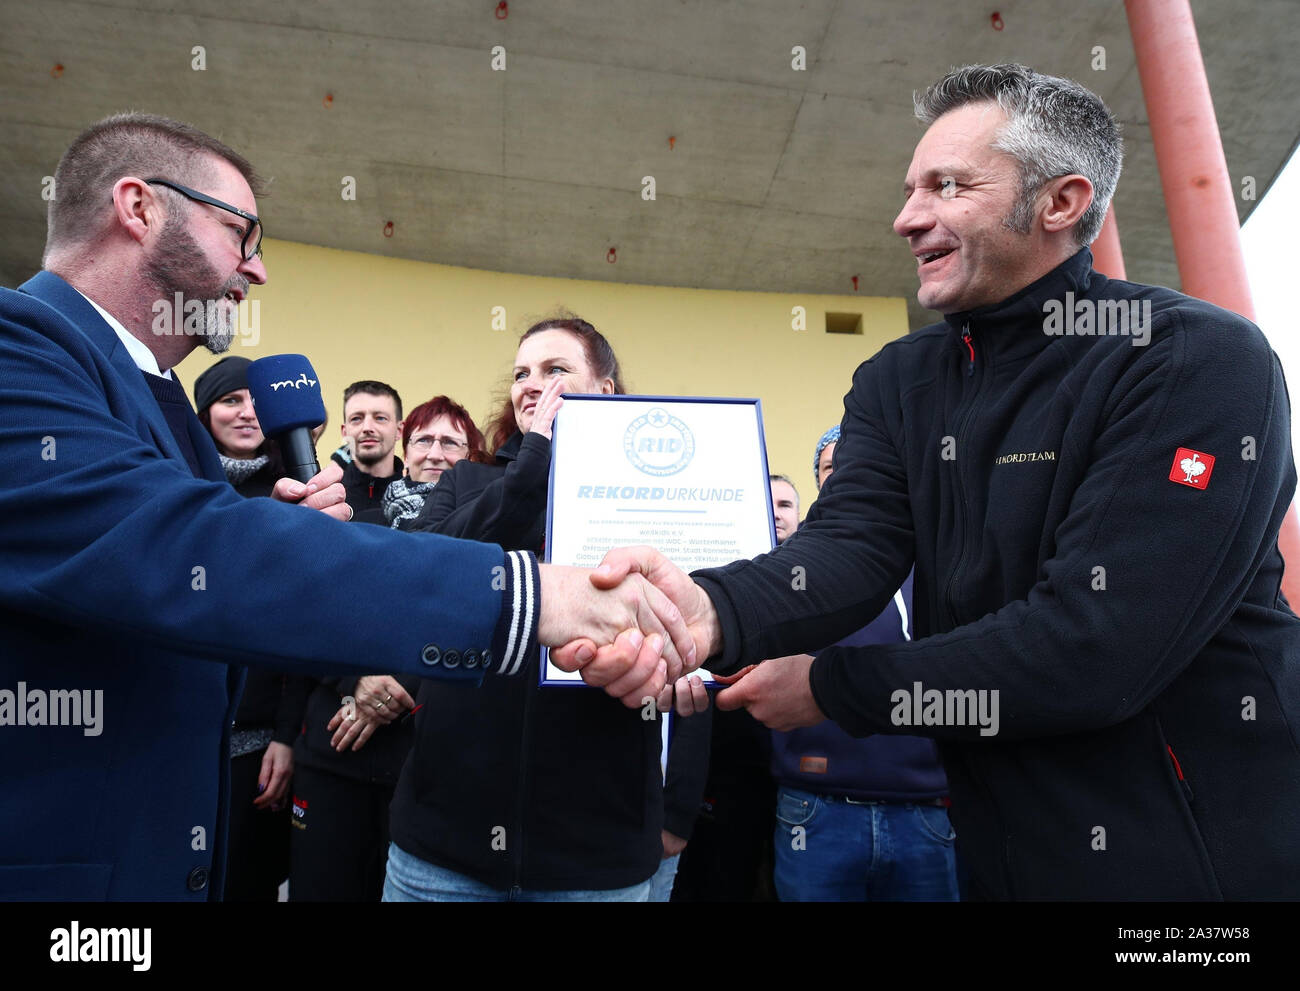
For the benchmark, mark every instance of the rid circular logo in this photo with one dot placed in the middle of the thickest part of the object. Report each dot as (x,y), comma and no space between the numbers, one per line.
(658,443)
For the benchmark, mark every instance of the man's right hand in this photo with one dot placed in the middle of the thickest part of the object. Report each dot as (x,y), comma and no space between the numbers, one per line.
(625,636)
(695,606)
(323,491)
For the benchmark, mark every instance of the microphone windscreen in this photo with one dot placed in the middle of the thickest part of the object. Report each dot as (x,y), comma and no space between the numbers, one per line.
(286,393)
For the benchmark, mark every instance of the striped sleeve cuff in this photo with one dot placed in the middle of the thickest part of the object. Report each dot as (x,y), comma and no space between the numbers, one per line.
(515,639)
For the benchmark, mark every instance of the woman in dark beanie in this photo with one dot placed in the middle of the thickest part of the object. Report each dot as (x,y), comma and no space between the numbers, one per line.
(271,707)
(221,398)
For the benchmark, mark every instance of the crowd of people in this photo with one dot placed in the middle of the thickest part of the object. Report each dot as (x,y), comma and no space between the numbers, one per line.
(1052,658)
(316,763)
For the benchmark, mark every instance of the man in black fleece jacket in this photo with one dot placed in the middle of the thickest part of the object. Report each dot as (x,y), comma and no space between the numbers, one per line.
(372,422)
(1089,476)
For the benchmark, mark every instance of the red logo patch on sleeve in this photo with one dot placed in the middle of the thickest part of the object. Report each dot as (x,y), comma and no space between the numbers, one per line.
(1192,468)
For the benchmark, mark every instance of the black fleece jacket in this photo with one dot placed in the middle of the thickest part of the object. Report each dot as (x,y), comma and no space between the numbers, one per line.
(1146,664)
(365,493)
(571,774)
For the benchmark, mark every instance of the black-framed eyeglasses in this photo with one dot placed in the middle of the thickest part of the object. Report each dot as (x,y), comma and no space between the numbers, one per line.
(252,242)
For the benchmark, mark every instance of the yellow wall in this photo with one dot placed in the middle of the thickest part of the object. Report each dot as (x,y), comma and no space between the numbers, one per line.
(426,329)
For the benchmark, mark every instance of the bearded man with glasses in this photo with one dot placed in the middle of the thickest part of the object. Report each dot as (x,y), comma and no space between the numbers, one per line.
(135,582)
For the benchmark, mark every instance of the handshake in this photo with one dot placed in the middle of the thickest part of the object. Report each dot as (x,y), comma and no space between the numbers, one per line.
(636,626)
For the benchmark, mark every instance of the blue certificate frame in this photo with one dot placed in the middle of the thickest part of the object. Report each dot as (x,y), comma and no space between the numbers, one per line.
(690,471)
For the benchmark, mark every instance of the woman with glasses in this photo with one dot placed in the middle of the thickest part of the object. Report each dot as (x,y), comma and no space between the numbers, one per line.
(435,435)
(517,791)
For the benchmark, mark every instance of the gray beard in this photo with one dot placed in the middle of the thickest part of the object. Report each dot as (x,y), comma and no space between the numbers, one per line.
(218,330)
(178,266)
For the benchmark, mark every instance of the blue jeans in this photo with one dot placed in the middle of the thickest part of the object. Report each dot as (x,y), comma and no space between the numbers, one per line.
(661,883)
(411,879)
(835,850)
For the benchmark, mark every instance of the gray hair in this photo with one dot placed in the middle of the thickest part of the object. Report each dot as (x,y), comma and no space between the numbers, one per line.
(1055,127)
(773,477)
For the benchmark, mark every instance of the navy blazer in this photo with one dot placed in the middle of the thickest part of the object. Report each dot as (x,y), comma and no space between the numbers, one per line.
(124,574)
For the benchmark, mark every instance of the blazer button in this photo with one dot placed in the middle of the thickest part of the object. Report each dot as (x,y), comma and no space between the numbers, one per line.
(198,879)
(471,658)
(487,659)
(451,659)
(431,655)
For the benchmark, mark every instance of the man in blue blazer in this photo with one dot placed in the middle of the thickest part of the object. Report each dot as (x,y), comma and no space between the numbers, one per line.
(135,581)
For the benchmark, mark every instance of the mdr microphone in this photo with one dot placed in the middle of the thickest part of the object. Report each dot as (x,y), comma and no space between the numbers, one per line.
(286,395)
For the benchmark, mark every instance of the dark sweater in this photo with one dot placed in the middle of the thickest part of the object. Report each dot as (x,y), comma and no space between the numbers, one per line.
(365,493)
(826,760)
(178,413)
(1128,614)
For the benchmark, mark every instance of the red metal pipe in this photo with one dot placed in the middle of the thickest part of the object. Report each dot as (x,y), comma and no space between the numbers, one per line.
(1199,194)
(1189,153)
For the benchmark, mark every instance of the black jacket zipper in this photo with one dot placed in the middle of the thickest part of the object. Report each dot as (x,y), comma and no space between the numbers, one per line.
(1178,769)
(968,339)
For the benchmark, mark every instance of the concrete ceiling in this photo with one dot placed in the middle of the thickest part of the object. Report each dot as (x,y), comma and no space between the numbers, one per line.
(776,179)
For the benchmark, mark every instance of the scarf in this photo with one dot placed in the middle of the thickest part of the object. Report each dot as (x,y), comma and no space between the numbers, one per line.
(403,500)
(240,470)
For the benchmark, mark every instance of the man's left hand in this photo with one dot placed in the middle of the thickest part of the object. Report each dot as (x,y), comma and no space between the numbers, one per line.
(687,696)
(323,491)
(776,693)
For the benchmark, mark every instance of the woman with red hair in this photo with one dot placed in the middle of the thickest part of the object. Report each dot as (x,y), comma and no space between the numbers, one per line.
(435,435)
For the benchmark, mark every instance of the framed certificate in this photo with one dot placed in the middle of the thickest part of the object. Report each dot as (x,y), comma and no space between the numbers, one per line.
(685,475)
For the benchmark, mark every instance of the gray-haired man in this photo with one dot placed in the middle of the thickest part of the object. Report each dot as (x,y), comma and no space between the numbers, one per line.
(1092,507)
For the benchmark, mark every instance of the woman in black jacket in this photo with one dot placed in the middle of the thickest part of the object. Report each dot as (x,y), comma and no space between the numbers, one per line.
(344,782)
(270,709)
(512,791)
